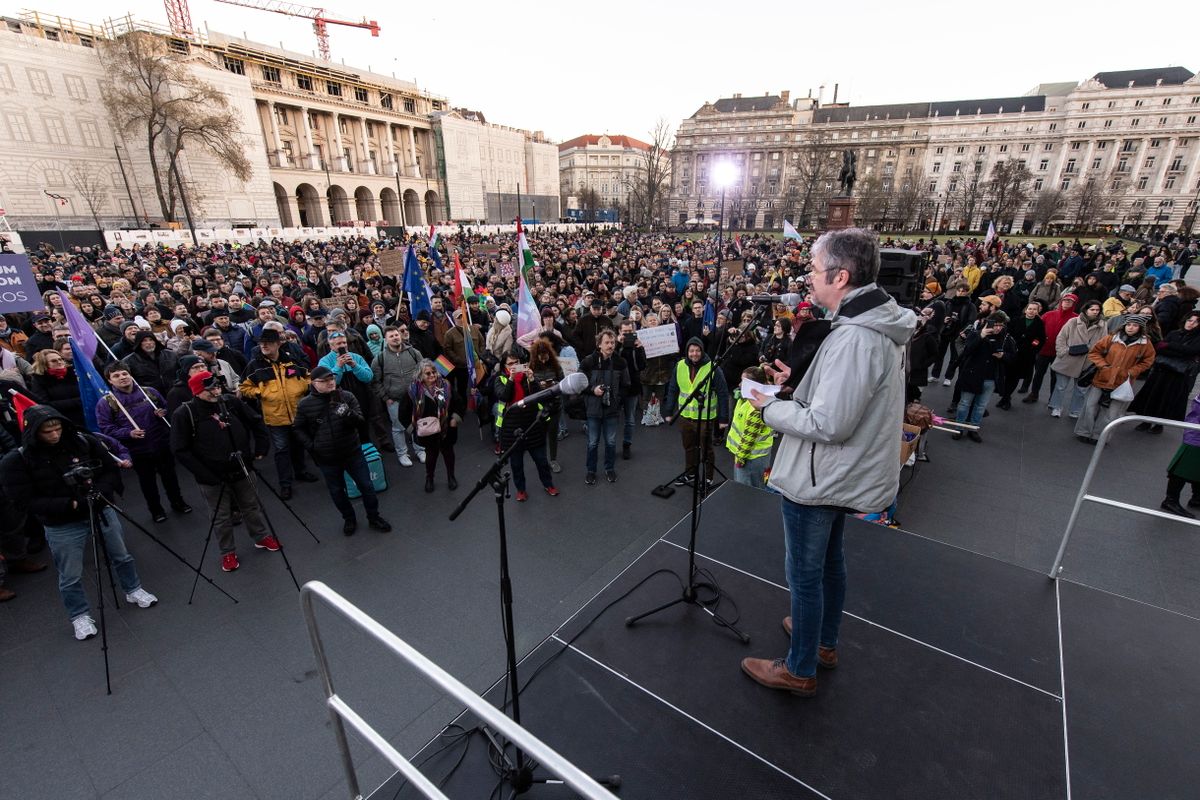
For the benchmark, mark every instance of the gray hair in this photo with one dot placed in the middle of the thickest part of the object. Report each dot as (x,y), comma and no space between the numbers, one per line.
(426,363)
(855,250)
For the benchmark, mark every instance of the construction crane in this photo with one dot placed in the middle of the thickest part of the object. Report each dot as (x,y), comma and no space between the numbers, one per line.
(317,15)
(179,17)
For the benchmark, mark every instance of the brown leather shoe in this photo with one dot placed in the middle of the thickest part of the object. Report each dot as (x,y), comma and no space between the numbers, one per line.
(773,674)
(826,656)
(25,565)
(6,594)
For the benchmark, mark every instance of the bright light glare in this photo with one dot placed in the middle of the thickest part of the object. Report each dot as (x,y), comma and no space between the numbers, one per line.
(724,173)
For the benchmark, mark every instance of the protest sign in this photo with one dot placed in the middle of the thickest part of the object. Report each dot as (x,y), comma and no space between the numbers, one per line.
(18,288)
(659,341)
(508,270)
(391,262)
(341,279)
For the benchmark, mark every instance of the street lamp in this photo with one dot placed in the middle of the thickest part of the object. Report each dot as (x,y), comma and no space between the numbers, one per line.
(58,200)
(724,175)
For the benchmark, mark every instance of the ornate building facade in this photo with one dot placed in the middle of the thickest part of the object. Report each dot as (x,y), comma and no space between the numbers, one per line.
(605,165)
(1118,150)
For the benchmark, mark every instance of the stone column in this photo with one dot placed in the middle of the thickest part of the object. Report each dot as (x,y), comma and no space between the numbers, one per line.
(391,150)
(339,157)
(413,171)
(366,144)
(293,210)
(310,152)
(280,157)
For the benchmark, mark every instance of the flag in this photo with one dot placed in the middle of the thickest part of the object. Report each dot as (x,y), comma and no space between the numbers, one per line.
(991,234)
(709,320)
(81,332)
(443,365)
(462,287)
(437,259)
(91,386)
(528,318)
(414,284)
(21,404)
(789,231)
(433,238)
(737,242)
(461,293)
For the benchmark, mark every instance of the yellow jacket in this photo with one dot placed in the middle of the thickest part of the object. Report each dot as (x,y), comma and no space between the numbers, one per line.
(972,275)
(278,386)
(1112,307)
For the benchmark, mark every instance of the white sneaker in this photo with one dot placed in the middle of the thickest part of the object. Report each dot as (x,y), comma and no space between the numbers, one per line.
(140,596)
(946,382)
(555,467)
(85,627)
(1056,412)
(421,456)
(405,461)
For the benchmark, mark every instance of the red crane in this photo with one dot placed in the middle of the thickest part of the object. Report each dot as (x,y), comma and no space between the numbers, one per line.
(179,16)
(317,15)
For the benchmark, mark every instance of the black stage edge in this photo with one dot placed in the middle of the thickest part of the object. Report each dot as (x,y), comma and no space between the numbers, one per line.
(949,683)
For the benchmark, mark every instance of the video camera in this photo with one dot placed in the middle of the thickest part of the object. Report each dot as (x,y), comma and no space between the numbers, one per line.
(81,476)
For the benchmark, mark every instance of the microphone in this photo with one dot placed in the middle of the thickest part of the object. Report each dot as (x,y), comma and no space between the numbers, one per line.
(573,384)
(790,299)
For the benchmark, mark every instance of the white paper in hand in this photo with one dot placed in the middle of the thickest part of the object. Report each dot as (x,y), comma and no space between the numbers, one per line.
(749,386)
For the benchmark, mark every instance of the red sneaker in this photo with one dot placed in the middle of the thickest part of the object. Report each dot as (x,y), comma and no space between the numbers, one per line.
(229,562)
(268,542)
(522,497)
(553,492)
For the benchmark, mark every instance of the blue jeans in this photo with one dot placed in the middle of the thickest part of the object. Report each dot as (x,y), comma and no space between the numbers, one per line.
(400,432)
(609,424)
(289,454)
(1062,385)
(68,543)
(972,405)
(816,573)
(630,407)
(336,481)
(537,454)
(752,473)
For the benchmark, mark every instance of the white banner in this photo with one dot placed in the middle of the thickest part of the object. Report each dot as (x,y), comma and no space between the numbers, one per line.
(659,341)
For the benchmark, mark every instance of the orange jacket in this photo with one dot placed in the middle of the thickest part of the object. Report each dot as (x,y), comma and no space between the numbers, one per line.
(1118,361)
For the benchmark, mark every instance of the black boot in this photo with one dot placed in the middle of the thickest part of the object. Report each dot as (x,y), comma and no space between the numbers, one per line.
(428,483)
(1030,398)
(1171,505)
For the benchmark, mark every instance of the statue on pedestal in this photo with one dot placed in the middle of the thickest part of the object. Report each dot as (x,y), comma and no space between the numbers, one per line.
(848,176)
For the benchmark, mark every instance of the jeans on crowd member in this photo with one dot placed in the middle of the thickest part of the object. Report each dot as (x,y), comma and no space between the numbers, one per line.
(1064,384)
(689,431)
(69,546)
(1095,416)
(517,464)
(973,404)
(753,473)
(400,432)
(629,406)
(1041,363)
(151,466)
(289,453)
(552,422)
(609,426)
(237,495)
(361,473)
(816,574)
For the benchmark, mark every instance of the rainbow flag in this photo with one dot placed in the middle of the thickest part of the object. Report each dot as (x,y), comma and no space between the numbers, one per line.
(443,365)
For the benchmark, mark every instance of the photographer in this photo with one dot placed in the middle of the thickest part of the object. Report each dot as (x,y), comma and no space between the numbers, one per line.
(607,378)
(51,477)
(634,355)
(329,423)
(690,373)
(985,353)
(513,384)
(211,435)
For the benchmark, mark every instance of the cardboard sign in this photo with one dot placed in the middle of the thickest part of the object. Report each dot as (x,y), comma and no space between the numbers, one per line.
(391,262)
(507,269)
(18,288)
(734,267)
(659,341)
(487,250)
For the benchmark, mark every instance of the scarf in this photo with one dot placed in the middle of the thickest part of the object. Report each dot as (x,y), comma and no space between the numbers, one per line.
(57,372)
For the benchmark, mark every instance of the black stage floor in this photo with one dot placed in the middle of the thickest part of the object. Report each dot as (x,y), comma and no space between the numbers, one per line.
(950,686)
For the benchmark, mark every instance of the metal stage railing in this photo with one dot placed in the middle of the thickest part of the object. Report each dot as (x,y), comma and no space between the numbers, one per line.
(340,711)
(1104,501)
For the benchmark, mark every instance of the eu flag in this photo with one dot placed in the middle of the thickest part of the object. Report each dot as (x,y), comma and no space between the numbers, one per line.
(414,284)
(91,386)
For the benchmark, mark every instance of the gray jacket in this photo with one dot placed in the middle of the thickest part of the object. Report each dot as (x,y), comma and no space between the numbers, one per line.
(395,372)
(841,429)
(1075,332)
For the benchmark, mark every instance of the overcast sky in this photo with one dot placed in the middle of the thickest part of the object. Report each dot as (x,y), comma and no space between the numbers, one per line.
(618,66)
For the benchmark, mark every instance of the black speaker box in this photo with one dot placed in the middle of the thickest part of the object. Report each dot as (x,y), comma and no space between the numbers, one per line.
(900,273)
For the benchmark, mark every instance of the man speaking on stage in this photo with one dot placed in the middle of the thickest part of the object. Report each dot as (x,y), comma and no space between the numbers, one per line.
(840,451)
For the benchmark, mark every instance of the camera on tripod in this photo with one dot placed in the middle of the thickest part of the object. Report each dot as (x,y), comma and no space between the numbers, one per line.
(81,476)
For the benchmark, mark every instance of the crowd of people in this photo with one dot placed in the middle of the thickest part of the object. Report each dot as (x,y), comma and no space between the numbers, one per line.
(262,351)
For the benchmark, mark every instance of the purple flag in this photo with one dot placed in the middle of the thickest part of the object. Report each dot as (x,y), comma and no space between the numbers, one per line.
(82,333)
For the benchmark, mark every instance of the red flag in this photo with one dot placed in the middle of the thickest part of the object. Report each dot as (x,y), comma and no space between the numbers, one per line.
(21,404)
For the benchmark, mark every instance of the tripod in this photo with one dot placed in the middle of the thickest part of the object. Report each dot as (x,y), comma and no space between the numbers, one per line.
(519,774)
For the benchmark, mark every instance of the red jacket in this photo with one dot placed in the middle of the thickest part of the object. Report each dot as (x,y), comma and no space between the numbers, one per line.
(1054,322)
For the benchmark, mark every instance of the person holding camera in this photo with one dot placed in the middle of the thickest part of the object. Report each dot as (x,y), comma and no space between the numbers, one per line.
(634,355)
(52,476)
(330,425)
(514,383)
(608,377)
(213,436)
(277,380)
(985,353)
(699,411)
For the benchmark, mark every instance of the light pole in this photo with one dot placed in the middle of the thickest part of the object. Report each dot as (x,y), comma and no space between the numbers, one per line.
(58,200)
(724,175)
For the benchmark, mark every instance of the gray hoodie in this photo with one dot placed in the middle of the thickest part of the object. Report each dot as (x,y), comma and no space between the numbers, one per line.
(841,429)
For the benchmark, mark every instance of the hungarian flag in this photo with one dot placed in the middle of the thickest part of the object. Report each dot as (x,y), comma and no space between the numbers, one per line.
(462,287)
(462,291)
(528,318)
(737,244)
(21,404)
(991,235)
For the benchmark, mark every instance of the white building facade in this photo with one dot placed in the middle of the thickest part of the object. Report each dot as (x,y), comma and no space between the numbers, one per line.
(606,165)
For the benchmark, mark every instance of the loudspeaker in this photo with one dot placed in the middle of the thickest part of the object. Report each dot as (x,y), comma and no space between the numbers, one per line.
(900,274)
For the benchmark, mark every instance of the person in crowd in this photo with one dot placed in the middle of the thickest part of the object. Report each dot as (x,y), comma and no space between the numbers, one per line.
(53,382)
(151,364)
(350,370)
(1176,365)
(500,334)
(1168,308)
(1074,342)
(12,339)
(523,428)
(207,352)
(588,328)
(329,425)
(778,345)
(218,438)
(633,354)
(1119,358)
(35,479)
(436,414)
(1119,302)
(1184,469)
(960,314)
(1028,332)
(1053,321)
(454,347)
(985,354)
(545,372)
(146,436)
(422,336)
(277,382)
(750,439)
(839,449)
(180,392)
(393,372)
(15,529)
(698,395)
(922,351)
(608,378)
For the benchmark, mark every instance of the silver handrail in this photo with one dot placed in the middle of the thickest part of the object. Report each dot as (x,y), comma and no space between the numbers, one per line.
(1083,495)
(339,710)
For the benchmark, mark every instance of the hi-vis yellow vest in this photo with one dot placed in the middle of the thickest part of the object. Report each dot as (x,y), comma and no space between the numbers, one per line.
(683,377)
(749,437)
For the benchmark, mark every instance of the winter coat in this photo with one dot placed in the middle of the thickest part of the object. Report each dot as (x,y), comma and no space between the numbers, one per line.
(203,443)
(922,352)
(1192,437)
(611,372)
(635,362)
(978,363)
(587,330)
(115,424)
(393,372)
(329,426)
(235,338)
(1117,360)
(425,341)
(673,396)
(155,369)
(1074,333)
(277,385)
(1169,313)
(841,429)
(516,419)
(1047,294)
(1054,322)
(454,345)
(500,339)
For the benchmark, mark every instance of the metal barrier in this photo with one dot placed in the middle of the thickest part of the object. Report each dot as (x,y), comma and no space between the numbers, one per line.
(339,711)
(1104,501)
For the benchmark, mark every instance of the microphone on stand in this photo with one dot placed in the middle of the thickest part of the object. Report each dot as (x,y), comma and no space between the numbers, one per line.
(789,299)
(573,384)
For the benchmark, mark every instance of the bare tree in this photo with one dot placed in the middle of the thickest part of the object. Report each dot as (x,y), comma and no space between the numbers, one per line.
(151,92)
(589,202)
(874,201)
(89,183)
(1046,206)
(1007,190)
(909,200)
(652,182)
(1088,200)
(965,197)
(812,170)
